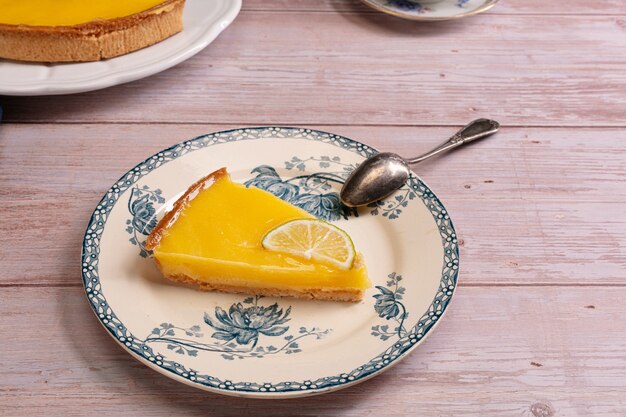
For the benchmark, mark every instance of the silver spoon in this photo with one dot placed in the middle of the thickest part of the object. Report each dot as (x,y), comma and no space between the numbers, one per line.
(383,173)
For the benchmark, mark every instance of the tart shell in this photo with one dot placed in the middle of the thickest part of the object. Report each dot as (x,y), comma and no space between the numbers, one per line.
(92,41)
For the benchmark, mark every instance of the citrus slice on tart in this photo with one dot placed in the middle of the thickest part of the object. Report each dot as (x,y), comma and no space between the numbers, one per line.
(312,239)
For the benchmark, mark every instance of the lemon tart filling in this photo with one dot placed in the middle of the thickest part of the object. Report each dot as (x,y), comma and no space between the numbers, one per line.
(214,235)
(68,12)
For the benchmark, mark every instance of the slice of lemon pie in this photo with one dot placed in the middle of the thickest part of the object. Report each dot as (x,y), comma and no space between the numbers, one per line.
(225,237)
(83,30)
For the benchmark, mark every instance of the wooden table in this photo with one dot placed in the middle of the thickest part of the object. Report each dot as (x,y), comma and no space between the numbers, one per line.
(538,326)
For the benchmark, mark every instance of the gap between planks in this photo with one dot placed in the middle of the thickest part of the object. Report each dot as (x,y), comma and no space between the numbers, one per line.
(460,284)
(528,7)
(244,125)
(345,11)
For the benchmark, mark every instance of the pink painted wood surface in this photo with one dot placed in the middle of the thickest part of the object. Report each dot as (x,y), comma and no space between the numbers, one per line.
(364,68)
(537,328)
(500,351)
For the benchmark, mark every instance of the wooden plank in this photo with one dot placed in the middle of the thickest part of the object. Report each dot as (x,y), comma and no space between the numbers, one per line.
(524,216)
(542,7)
(522,164)
(565,353)
(364,68)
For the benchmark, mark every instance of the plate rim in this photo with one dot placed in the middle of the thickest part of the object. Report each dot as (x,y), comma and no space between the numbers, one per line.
(118,331)
(122,76)
(487,4)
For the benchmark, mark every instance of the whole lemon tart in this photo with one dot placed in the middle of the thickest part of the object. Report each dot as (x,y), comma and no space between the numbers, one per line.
(79,30)
(222,236)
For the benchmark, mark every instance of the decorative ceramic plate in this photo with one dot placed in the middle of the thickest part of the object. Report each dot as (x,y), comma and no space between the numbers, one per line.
(259,346)
(203,20)
(431,9)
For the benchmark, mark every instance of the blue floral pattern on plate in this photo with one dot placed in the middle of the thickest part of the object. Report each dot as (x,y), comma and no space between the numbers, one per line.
(440,10)
(143,215)
(238,332)
(309,192)
(312,192)
(390,307)
(407,5)
(387,306)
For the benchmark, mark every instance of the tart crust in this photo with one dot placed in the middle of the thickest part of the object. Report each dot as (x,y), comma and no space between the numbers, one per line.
(92,41)
(302,293)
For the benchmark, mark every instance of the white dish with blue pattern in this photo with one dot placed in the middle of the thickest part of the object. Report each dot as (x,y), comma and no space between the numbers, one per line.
(259,346)
(431,9)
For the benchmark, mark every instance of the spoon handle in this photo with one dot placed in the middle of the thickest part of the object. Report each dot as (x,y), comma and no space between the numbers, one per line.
(478,129)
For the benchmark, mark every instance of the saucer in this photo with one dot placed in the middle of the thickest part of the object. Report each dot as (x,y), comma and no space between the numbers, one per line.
(431,11)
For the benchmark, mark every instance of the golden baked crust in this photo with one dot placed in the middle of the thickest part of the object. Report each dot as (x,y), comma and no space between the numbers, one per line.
(304,293)
(92,41)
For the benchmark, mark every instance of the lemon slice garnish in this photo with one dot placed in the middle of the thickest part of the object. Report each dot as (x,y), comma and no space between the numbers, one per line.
(312,239)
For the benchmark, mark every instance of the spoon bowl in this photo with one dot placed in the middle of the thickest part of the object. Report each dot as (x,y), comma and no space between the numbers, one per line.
(373,179)
(383,173)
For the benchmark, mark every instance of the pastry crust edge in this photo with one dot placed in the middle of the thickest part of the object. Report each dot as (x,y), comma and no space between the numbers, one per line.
(92,41)
(304,293)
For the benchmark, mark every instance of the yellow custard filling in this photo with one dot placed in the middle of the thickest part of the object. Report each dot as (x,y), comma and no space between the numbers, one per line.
(219,234)
(68,12)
